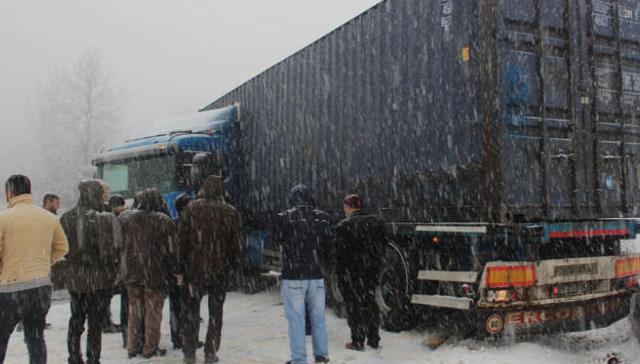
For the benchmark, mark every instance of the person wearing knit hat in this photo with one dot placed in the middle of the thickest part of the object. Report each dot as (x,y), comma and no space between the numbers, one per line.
(360,244)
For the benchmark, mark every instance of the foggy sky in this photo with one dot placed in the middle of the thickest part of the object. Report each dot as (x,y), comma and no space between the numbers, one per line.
(173,57)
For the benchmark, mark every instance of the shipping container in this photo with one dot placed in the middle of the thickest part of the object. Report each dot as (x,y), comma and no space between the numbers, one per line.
(489,110)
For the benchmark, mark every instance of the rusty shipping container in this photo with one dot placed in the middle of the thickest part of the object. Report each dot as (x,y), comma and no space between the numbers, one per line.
(491,110)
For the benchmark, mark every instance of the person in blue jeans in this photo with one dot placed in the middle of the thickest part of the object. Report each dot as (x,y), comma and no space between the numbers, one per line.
(305,234)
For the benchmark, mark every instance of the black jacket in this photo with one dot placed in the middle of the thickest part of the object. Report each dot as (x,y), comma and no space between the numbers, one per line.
(92,261)
(305,234)
(360,246)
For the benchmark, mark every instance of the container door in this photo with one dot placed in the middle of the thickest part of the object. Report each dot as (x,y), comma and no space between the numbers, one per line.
(541,154)
(613,49)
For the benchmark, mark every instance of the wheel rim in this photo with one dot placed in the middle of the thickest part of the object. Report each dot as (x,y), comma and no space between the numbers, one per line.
(389,296)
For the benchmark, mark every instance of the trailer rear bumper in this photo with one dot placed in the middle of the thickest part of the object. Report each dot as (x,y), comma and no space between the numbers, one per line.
(574,315)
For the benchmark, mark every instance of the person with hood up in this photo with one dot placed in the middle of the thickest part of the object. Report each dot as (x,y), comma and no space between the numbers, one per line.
(150,264)
(31,240)
(305,234)
(176,290)
(212,245)
(90,268)
(360,245)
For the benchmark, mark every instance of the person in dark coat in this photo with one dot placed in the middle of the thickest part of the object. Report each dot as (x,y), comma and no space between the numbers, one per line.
(212,245)
(90,268)
(150,264)
(360,245)
(118,205)
(176,290)
(305,234)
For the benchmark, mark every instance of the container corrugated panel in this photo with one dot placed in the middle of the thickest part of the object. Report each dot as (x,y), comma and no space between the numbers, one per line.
(489,110)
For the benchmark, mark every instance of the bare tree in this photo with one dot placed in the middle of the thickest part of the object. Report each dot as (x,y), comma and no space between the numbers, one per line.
(75,113)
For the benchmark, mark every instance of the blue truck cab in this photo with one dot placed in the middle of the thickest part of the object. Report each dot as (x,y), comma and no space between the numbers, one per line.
(176,159)
(172,159)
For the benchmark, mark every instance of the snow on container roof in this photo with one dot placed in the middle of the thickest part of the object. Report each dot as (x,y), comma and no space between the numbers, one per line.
(196,122)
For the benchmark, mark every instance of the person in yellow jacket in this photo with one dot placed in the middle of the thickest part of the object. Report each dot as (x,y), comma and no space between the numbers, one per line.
(31,241)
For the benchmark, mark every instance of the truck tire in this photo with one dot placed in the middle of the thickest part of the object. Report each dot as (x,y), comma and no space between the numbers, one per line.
(334,296)
(393,294)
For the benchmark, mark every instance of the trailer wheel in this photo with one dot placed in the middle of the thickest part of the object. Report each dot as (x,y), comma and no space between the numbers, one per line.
(393,294)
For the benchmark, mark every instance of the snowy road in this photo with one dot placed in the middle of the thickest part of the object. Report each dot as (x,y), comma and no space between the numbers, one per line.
(255,332)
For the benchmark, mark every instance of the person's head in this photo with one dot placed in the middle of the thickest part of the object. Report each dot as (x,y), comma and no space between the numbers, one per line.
(212,188)
(106,192)
(181,202)
(352,203)
(51,203)
(117,204)
(92,194)
(17,185)
(151,200)
(300,195)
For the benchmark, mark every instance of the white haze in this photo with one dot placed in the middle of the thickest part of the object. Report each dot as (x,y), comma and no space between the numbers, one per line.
(173,57)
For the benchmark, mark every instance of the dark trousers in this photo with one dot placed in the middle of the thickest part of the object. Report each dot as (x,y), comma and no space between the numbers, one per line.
(89,307)
(175,315)
(191,319)
(124,314)
(362,310)
(30,307)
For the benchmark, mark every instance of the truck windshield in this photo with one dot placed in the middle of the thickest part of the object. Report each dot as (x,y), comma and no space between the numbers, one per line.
(128,178)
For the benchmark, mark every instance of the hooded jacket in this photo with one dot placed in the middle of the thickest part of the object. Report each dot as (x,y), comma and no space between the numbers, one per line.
(150,244)
(305,234)
(92,261)
(212,242)
(31,240)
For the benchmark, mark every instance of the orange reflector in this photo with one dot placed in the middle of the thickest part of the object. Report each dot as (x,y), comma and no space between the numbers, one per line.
(627,267)
(511,276)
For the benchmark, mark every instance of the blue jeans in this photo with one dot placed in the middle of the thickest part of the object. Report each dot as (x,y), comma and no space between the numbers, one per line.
(298,296)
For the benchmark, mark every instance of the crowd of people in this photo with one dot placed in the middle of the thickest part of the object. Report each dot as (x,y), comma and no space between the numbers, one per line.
(100,247)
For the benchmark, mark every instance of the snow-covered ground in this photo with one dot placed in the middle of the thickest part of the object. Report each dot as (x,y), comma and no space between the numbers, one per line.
(255,332)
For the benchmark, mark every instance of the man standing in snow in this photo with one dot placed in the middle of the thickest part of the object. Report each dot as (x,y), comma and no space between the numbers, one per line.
(150,264)
(118,206)
(305,233)
(90,268)
(51,203)
(176,289)
(31,240)
(212,245)
(360,244)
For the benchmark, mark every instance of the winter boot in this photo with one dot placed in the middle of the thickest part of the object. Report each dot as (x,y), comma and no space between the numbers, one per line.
(354,346)
(210,358)
(157,352)
(375,345)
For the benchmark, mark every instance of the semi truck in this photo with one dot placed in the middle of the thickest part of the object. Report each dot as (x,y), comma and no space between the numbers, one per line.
(498,140)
